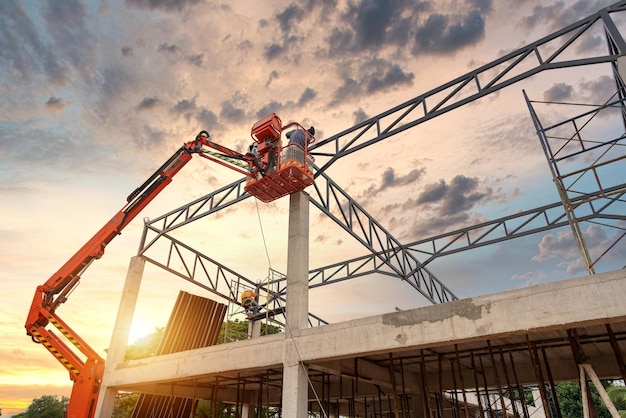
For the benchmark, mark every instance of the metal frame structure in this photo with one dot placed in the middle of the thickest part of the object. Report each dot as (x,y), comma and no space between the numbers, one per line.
(492,368)
(387,255)
(582,186)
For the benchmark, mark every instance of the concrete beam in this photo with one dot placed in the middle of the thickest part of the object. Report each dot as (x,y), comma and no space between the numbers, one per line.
(585,301)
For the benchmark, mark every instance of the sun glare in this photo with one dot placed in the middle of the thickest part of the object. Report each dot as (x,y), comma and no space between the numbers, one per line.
(139,329)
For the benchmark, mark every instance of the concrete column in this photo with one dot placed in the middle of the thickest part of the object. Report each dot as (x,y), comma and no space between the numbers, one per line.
(295,382)
(297,307)
(295,390)
(121,330)
(254,329)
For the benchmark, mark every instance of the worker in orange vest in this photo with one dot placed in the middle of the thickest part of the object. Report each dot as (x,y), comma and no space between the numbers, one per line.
(248,299)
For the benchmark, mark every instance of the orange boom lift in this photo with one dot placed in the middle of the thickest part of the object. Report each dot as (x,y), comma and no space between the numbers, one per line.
(274,172)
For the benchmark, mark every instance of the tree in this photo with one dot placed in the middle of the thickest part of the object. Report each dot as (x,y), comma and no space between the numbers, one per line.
(617,393)
(47,406)
(124,405)
(570,400)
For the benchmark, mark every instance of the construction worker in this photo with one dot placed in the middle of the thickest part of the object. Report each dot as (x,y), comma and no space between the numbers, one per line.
(301,137)
(254,153)
(248,300)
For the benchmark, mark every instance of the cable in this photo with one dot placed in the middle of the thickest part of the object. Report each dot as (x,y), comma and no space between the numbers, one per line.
(267,254)
(300,362)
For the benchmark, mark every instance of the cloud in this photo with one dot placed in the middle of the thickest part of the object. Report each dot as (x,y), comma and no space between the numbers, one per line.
(273,76)
(370,20)
(562,247)
(289,18)
(598,91)
(147,103)
(196,59)
(359,116)
(307,96)
(407,26)
(369,77)
(442,34)
(559,92)
(55,104)
(185,108)
(560,14)
(207,119)
(459,196)
(169,48)
(389,179)
(163,5)
(22,48)
(232,113)
(273,51)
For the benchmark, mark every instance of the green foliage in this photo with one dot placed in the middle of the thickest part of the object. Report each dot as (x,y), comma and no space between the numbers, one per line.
(570,400)
(47,406)
(124,405)
(233,331)
(618,396)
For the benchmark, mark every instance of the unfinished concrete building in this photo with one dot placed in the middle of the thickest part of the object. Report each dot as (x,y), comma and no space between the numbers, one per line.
(469,357)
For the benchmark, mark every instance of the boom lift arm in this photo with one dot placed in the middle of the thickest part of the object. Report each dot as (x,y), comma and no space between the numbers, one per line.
(86,372)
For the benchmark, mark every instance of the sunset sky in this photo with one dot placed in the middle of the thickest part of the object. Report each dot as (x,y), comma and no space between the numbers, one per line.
(95,95)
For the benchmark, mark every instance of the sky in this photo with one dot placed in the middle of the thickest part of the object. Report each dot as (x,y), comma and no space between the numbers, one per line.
(95,95)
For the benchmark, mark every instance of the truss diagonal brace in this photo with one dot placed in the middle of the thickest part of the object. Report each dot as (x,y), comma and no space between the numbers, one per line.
(347,213)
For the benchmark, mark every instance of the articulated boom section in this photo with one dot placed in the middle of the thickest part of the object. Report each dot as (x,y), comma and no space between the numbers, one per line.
(87,374)
(272,171)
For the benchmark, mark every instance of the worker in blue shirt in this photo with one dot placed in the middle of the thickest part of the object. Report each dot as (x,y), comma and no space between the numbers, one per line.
(301,137)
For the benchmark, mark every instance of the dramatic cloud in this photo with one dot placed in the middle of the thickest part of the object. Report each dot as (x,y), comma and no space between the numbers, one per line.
(459,196)
(390,179)
(371,77)
(87,87)
(559,92)
(289,18)
(440,34)
(407,26)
